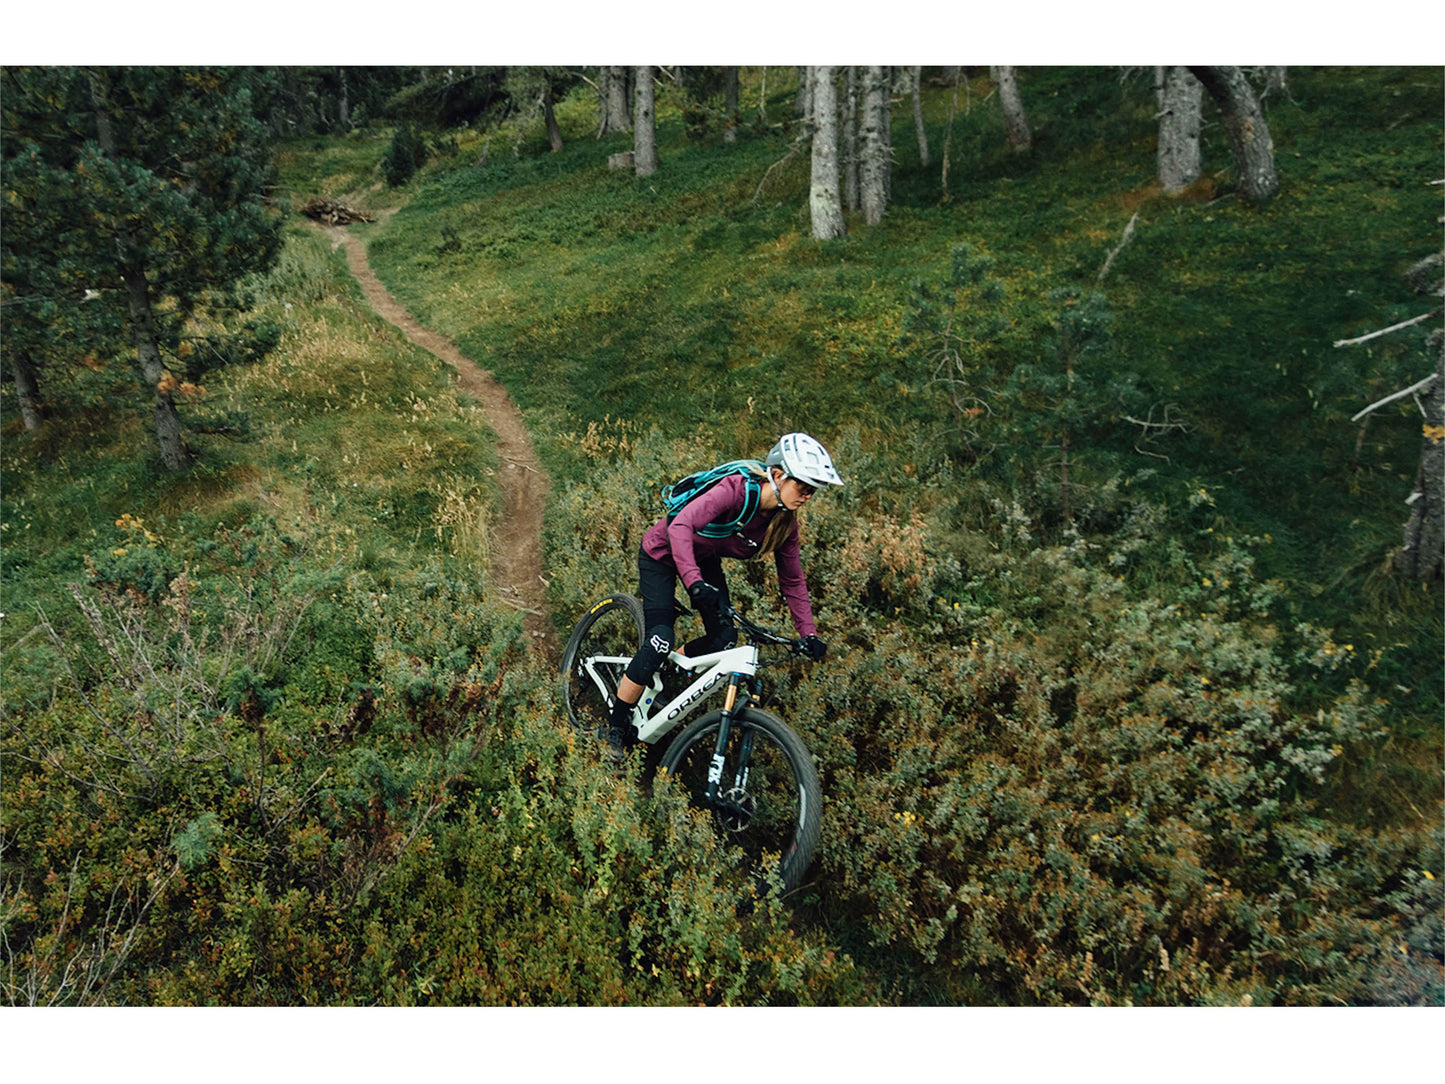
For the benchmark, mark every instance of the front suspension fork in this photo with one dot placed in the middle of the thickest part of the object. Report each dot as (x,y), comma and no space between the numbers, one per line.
(739,693)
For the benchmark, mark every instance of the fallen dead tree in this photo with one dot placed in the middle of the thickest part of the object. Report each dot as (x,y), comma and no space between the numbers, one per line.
(333,213)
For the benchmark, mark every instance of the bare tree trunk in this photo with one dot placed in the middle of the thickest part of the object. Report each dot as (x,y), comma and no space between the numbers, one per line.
(1018,136)
(1248,133)
(549,115)
(343,107)
(803,101)
(27,389)
(612,103)
(1422,557)
(730,106)
(918,116)
(827,210)
(644,129)
(948,132)
(848,126)
(1180,100)
(876,151)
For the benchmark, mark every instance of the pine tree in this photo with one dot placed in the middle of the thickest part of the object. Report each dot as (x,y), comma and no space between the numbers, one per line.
(143,189)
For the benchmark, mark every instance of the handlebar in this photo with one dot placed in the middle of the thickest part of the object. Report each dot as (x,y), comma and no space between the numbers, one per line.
(760,634)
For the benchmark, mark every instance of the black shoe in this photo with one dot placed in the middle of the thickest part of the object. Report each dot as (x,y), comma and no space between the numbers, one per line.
(619,730)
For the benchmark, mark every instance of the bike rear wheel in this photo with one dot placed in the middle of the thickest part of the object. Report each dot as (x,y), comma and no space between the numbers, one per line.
(773,811)
(596,657)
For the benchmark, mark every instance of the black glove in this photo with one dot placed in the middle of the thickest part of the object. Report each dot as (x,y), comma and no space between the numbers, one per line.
(813,647)
(705,596)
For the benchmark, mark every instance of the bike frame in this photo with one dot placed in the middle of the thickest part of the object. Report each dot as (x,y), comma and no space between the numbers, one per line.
(733,667)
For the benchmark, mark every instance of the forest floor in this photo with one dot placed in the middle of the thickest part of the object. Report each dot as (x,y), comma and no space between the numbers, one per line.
(516,542)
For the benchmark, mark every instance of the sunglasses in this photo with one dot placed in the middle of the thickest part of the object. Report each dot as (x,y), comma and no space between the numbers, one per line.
(803,487)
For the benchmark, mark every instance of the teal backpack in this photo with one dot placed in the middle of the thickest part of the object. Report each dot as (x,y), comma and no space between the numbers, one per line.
(685,489)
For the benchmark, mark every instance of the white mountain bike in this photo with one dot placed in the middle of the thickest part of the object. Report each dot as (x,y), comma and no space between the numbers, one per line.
(742,763)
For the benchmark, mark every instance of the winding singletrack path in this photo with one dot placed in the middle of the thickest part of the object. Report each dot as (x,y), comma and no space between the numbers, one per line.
(516,573)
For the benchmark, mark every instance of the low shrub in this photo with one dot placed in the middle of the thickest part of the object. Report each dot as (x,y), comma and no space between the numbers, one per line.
(1045,785)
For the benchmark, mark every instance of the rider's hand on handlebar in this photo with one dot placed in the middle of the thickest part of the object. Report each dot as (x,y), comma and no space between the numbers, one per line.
(813,647)
(705,596)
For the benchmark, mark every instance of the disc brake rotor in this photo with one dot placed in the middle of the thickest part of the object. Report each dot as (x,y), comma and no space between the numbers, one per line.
(735,809)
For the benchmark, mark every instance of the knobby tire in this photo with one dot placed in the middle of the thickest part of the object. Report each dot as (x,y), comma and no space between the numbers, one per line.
(612,626)
(782,781)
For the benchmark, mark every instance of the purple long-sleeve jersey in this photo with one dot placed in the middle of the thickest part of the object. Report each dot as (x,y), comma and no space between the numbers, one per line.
(680,543)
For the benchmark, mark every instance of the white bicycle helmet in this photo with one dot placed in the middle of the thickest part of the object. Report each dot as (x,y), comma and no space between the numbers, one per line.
(803,458)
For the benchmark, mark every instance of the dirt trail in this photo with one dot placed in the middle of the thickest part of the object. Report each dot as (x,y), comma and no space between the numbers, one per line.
(517,539)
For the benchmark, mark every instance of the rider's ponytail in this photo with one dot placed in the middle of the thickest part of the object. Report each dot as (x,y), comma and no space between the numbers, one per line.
(778,531)
(779,528)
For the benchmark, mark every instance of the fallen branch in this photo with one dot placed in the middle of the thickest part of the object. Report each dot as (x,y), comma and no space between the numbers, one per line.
(1411,390)
(797,146)
(1147,425)
(1153,455)
(1128,233)
(1387,330)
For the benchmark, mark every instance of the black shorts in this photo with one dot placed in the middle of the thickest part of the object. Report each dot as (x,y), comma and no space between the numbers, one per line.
(657,588)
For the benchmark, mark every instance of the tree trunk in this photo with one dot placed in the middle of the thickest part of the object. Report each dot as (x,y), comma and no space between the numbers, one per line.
(143,332)
(1016,123)
(848,128)
(876,150)
(730,106)
(27,389)
(918,116)
(1423,555)
(1248,133)
(644,130)
(343,107)
(948,132)
(803,102)
(549,115)
(612,100)
(1180,99)
(827,210)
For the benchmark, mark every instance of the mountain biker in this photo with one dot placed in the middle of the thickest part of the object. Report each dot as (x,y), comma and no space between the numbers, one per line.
(674,548)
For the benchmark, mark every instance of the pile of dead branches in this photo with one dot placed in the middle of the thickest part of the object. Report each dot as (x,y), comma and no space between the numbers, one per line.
(333,213)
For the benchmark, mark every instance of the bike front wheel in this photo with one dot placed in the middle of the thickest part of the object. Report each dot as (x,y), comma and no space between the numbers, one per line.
(595,658)
(769,799)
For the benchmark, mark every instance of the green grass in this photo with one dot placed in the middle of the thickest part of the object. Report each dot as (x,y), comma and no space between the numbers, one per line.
(684,302)
(992,678)
(354,437)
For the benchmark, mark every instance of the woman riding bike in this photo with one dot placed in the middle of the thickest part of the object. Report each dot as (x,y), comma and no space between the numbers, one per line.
(760,514)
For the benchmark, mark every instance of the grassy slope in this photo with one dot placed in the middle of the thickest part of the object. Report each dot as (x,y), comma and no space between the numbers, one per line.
(353,437)
(679,299)
(696,298)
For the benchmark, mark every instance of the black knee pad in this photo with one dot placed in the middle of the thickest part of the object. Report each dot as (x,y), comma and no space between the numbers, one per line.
(656,645)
